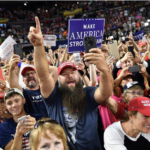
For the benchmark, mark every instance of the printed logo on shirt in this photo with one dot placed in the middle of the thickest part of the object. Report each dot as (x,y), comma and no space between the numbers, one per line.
(70,121)
(36,98)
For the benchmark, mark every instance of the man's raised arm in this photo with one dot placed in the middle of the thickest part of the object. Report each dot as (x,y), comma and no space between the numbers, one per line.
(13,73)
(104,91)
(41,65)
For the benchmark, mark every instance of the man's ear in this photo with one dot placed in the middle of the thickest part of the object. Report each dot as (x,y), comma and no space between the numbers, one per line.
(24,100)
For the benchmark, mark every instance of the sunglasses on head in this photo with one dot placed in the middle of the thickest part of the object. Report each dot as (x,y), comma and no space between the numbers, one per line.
(42,122)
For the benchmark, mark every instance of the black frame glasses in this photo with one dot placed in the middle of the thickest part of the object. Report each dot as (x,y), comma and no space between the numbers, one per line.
(42,122)
(28,74)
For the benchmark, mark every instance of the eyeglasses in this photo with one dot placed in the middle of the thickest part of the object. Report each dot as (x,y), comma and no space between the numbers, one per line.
(27,75)
(136,93)
(42,122)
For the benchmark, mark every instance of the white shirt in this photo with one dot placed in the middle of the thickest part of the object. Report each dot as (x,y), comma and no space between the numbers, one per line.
(119,64)
(116,139)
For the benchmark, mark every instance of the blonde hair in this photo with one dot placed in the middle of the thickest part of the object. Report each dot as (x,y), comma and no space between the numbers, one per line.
(135,87)
(42,129)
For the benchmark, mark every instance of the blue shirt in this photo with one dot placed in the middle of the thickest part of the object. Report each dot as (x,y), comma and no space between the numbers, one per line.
(86,137)
(34,102)
(8,130)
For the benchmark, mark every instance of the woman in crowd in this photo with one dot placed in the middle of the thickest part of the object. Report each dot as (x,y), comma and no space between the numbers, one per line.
(48,135)
(133,132)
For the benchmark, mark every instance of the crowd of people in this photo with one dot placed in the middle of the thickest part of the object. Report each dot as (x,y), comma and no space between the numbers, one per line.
(49,101)
(119,21)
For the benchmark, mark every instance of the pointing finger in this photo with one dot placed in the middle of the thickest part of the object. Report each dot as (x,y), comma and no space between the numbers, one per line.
(38,27)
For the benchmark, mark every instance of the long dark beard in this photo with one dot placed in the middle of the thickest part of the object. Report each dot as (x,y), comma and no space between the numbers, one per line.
(74,99)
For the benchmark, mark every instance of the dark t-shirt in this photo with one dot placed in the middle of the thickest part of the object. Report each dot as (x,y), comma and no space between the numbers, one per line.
(34,102)
(8,130)
(86,129)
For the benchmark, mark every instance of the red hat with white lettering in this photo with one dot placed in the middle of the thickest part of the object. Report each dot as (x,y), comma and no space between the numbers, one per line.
(141,43)
(140,104)
(66,64)
(2,95)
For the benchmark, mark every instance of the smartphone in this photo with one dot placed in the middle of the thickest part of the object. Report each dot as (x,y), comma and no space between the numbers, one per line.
(22,118)
(56,55)
(113,48)
(130,49)
(30,58)
(89,43)
(126,39)
(134,69)
(0,59)
(18,50)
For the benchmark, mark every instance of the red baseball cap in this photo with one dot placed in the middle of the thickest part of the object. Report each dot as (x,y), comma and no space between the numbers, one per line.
(141,43)
(119,71)
(82,53)
(140,104)
(2,95)
(26,68)
(66,64)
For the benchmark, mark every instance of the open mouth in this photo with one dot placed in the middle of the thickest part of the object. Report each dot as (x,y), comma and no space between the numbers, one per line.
(71,83)
(31,80)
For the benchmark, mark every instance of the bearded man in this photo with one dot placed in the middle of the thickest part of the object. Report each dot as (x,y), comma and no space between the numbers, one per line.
(34,101)
(81,104)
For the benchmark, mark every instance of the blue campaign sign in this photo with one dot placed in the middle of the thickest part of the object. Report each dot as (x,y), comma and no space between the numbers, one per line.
(80,28)
(137,36)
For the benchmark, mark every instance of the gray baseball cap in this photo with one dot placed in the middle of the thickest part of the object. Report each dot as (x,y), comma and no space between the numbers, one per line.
(13,90)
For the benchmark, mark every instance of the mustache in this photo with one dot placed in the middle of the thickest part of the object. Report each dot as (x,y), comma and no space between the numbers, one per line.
(70,79)
(31,78)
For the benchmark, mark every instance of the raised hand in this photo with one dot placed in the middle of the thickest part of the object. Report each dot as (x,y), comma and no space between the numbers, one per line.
(124,72)
(97,57)
(127,56)
(3,85)
(143,69)
(137,58)
(35,35)
(14,60)
(28,125)
(81,66)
